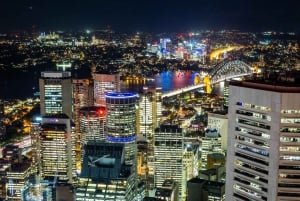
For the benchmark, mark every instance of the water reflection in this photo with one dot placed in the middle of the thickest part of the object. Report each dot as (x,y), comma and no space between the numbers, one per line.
(168,81)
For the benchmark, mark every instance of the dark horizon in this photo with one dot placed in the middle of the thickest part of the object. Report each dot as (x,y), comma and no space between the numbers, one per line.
(153,16)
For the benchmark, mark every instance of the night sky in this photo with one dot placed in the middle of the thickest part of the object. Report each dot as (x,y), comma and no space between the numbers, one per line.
(150,15)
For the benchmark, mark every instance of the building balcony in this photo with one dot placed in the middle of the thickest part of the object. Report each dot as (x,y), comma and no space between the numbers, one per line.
(289,171)
(290,153)
(252,154)
(289,181)
(296,144)
(289,162)
(248,196)
(288,190)
(250,178)
(289,198)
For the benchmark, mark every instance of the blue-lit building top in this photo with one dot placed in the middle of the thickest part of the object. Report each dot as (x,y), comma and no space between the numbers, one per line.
(121,117)
(121,122)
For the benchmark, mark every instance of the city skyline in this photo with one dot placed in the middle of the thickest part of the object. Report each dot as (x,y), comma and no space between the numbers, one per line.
(154,16)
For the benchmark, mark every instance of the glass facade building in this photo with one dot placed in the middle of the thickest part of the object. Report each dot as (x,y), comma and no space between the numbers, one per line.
(56,93)
(57,148)
(92,124)
(104,176)
(121,112)
(168,155)
(83,97)
(105,83)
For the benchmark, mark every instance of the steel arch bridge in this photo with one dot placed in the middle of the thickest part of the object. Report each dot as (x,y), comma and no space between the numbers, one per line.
(226,69)
(222,71)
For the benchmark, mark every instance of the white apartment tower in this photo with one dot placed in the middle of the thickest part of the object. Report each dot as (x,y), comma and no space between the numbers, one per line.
(263,156)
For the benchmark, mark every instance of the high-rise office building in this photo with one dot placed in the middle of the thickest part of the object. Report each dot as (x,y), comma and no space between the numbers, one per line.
(149,117)
(226,93)
(263,140)
(83,97)
(17,177)
(203,190)
(37,191)
(158,108)
(211,143)
(190,160)
(57,148)
(146,115)
(103,84)
(35,131)
(104,175)
(56,93)
(168,153)
(219,121)
(168,191)
(149,113)
(121,109)
(92,123)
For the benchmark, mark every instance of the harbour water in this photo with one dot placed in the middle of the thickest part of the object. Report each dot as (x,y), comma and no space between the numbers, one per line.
(168,81)
(23,86)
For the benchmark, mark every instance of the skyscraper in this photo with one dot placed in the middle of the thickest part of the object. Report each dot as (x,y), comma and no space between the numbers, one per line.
(146,117)
(57,148)
(92,123)
(56,93)
(158,108)
(121,122)
(17,177)
(35,131)
(149,113)
(263,141)
(211,143)
(83,97)
(104,175)
(103,84)
(168,153)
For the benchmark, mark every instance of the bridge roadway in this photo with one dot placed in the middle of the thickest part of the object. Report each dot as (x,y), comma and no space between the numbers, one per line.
(194,87)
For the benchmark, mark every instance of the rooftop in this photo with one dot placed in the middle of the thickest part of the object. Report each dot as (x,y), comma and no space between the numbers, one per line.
(20,167)
(216,155)
(286,82)
(58,116)
(207,183)
(169,128)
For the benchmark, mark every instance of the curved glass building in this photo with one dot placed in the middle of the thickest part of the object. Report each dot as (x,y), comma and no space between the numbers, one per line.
(121,122)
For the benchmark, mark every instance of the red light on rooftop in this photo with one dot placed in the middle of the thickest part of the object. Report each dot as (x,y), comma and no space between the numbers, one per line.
(101,111)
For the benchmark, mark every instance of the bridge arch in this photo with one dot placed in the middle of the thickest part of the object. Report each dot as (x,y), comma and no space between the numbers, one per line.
(227,69)
(197,78)
(219,73)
